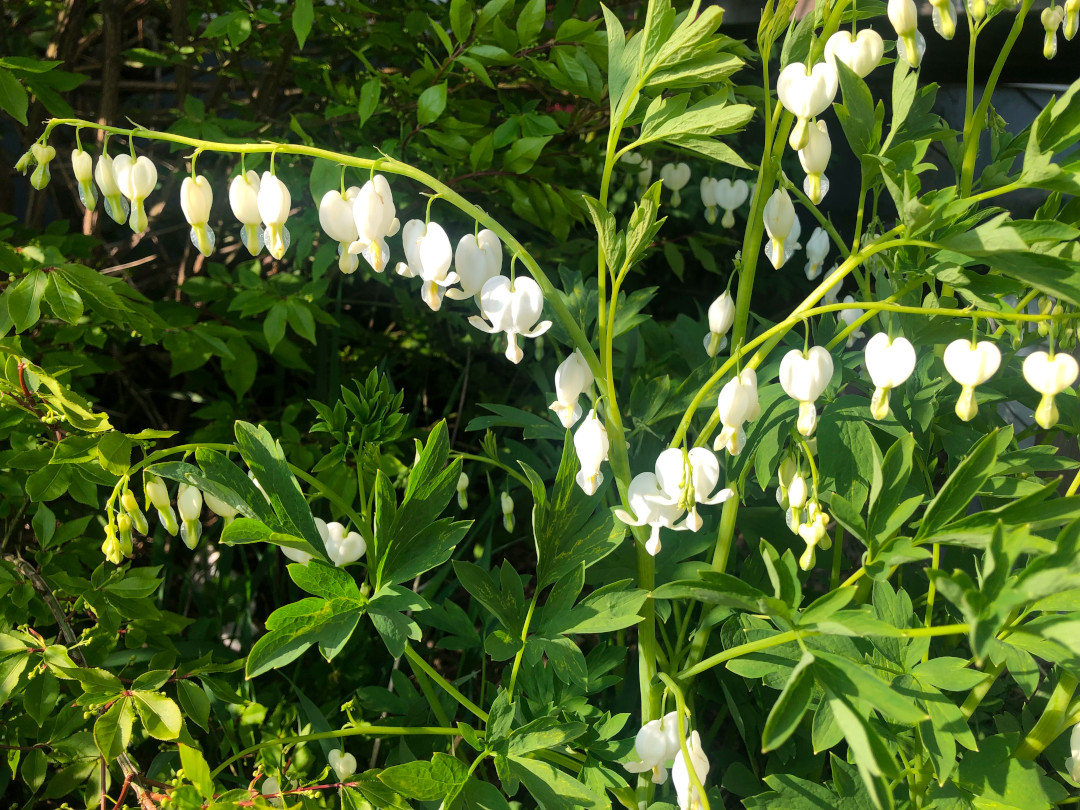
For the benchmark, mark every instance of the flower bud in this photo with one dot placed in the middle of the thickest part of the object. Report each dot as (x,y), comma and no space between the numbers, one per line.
(43,155)
(721,316)
(572,378)
(82,165)
(817,249)
(507,504)
(1072,18)
(131,507)
(782,225)
(708,198)
(1051,20)
(189,501)
(336,218)
(219,507)
(136,179)
(274,202)
(196,198)
(158,495)
(591,445)
(796,492)
(944,18)
(123,526)
(244,201)
(814,158)
(115,205)
(111,547)
(463,491)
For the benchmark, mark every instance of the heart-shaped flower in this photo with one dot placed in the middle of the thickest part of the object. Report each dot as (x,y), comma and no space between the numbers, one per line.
(729,196)
(344,765)
(814,158)
(336,218)
(136,178)
(736,404)
(513,307)
(1049,375)
(721,316)
(591,445)
(889,364)
(82,165)
(342,546)
(675,176)
(862,53)
(805,94)
(478,259)
(572,379)
(1051,20)
(817,249)
(687,479)
(105,175)
(804,377)
(649,506)
(783,227)
(910,44)
(244,201)
(970,365)
(196,199)
(656,744)
(274,201)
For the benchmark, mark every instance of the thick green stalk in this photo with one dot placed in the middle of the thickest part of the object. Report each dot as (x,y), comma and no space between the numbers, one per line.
(1052,722)
(521,652)
(725,535)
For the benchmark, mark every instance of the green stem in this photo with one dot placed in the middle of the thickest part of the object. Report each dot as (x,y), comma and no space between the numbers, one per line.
(494,463)
(392,166)
(931,591)
(691,770)
(978,692)
(973,127)
(1052,722)
(837,559)
(521,652)
(823,221)
(725,535)
(429,694)
(415,658)
(368,731)
(329,494)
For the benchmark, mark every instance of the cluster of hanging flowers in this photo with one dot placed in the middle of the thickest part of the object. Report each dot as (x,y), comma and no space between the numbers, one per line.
(657,745)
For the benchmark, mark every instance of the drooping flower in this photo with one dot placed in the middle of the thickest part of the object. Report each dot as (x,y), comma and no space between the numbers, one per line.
(1051,18)
(675,176)
(814,532)
(189,501)
(721,316)
(970,364)
(814,158)
(375,216)
(1072,18)
(116,206)
(889,364)
(910,44)
(861,53)
(158,495)
(977,9)
(796,491)
(219,507)
(689,798)
(1049,375)
(336,218)
(656,744)
(43,155)
(513,308)
(111,546)
(136,179)
(817,249)
(428,252)
(944,18)
(274,201)
(848,317)
(708,198)
(572,378)
(507,504)
(591,445)
(688,479)
(804,377)
(463,491)
(342,546)
(196,199)
(729,196)
(82,165)
(123,528)
(343,765)
(805,94)
(477,260)
(783,227)
(244,201)
(131,507)
(649,507)
(644,170)
(736,405)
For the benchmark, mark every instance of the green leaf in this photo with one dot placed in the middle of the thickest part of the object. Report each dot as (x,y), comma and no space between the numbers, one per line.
(302,17)
(48,483)
(13,98)
(194,702)
(544,732)
(292,629)
(851,681)
(34,768)
(114,452)
(11,669)
(553,788)
(40,696)
(245,530)
(530,22)
(788,711)
(225,480)
(948,673)
(24,299)
(506,605)
(523,153)
(196,770)
(63,300)
(856,114)
(274,325)
(426,781)
(430,104)
(112,730)
(461,18)
(964,483)
(160,715)
(370,93)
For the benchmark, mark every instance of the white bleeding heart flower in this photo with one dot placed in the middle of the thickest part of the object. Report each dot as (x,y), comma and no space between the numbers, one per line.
(219,507)
(1072,18)
(131,506)
(274,201)
(336,218)
(591,445)
(848,317)
(729,196)
(244,201)
(649,507)
(889,364)
(817,249)
(196,199)
(507,505)
(342,546)
(783,227)
(135,179)
(970,365)
(944,16)
(814,532)
(977,9)
(797,491)
(189,502)
(463,491)
(675,176)
(814,158)
(721,317)
(376,254)
(343,765)
(477,259)
(862,53)
(158,495)
(736,405)
(1051,19)
(687,479)
(805,94)
(116,206)
(572,379)
(804,378)
(1049,375)
(910,44)
(513,308)
(1073,762)
(689,798)
(82,165)
(374,213)
(708,198)
(656,743)
(43,155)
(832,295)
